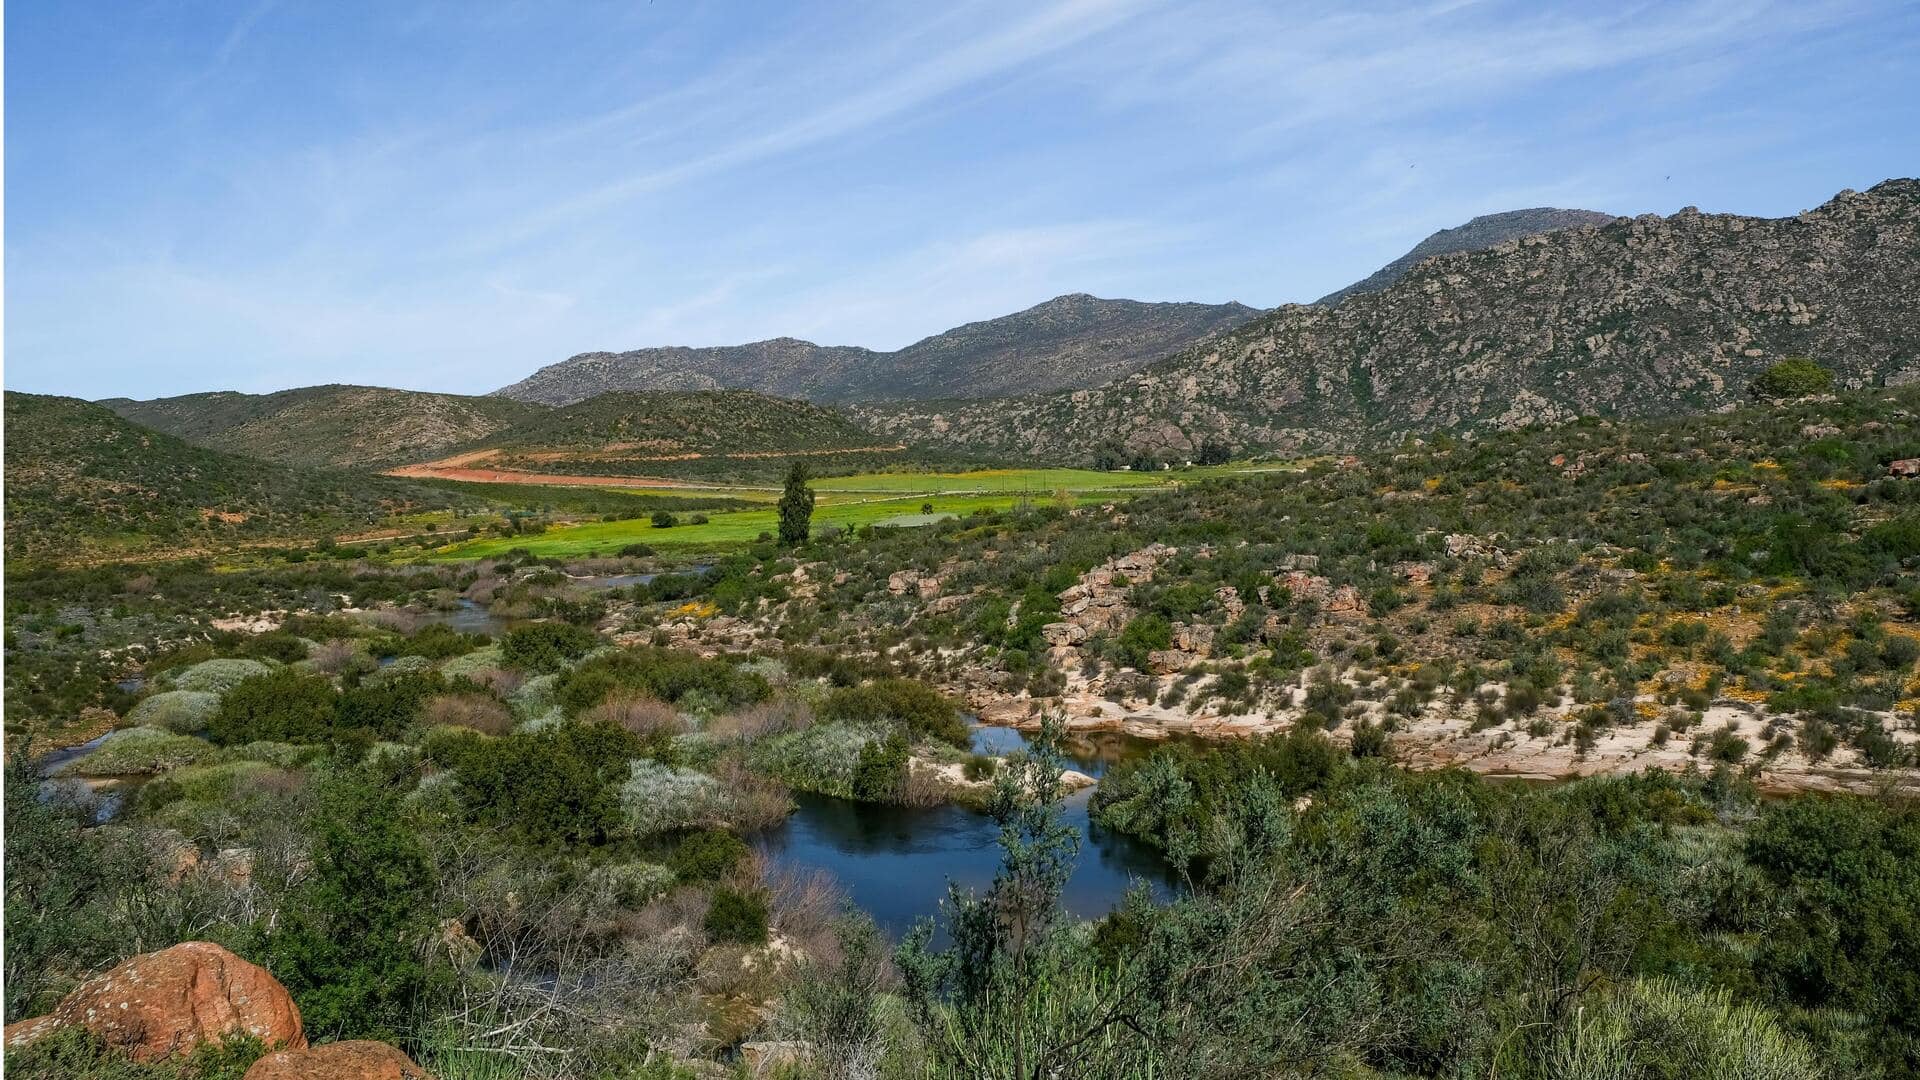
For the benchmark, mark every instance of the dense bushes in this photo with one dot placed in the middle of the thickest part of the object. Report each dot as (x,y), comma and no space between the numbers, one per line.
(919,708)
(553,784)
(546,646)
(676,677)
(1847,872)
(350,945)
(736,917)
(284,706)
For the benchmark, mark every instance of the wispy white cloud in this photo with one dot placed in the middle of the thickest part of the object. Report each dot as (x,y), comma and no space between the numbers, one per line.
(445,196)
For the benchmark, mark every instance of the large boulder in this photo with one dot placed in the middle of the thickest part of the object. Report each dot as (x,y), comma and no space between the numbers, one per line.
(163,1003)
(351,1060)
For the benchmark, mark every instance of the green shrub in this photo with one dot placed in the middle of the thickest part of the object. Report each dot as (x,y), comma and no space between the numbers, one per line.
(387,707)
(554,784)
(1847,873)
(919,708)
(706,855)
(666,674)
(737,918)
(350,940)
(131,751)
(435,641)
(1144,634)
(546,646)
(278,646)
(185,712)
(282,706)
(1796,376)
(219,675)
(880,773)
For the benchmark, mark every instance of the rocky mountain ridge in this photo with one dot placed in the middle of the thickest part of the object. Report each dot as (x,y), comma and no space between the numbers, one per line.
(1646,316)
(1481,233)
(1069,341)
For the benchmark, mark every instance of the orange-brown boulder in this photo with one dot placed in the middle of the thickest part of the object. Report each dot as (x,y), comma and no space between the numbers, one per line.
(351,1060)
(168,1002)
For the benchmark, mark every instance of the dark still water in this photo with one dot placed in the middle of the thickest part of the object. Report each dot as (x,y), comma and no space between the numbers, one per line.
(894,862)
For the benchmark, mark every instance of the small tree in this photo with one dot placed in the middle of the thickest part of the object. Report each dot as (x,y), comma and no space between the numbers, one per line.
(350,940)
(1017,995)
(663,520)
(796,507)
(1796,376)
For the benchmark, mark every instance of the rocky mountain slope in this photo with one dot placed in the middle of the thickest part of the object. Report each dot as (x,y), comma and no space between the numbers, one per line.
(1643,317)
(692,422)
(332,425)
(1481,233)
(1069,341)
(81,479)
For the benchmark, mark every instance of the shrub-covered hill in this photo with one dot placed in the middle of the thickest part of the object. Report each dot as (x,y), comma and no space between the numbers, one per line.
(685,422)
(1069,341)
(716,434)
(332,425)
(1648,316)
(1522,598)
(81,480)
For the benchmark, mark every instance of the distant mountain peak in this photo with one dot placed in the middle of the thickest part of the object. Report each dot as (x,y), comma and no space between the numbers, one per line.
(1642,316)
(1071,341)
(1479,234)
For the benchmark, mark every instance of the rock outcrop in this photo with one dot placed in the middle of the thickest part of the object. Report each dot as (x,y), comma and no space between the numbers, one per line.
(163,1003)
(351,1060)
(1097,603)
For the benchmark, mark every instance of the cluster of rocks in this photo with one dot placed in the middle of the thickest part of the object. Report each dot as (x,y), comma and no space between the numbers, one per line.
(1098,602)
(162,1004)
(928,587)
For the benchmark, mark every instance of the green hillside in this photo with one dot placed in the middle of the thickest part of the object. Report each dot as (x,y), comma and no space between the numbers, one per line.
(691,422)
(333,425)
(707,434)
(81,480)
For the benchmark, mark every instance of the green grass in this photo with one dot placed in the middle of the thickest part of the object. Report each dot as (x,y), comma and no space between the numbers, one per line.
(725,529)
(989,481)
(884,499)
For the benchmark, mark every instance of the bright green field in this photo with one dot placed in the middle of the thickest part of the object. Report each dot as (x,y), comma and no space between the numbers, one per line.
(880,499)
(998,481)
(724,530)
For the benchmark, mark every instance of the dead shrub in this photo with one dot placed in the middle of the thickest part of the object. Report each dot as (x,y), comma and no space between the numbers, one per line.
(476,711)
(774,717)
(642,714)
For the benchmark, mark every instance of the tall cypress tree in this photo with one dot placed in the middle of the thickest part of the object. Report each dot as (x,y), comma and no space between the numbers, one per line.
(796,507)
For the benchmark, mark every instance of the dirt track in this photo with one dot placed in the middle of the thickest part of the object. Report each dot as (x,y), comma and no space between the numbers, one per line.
(463,467)
(436,471)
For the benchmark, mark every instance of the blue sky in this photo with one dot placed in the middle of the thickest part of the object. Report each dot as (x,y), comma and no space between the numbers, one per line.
(448,195)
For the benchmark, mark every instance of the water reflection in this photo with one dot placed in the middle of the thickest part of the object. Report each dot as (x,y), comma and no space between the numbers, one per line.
(895,862)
